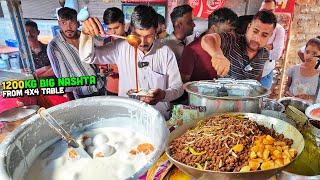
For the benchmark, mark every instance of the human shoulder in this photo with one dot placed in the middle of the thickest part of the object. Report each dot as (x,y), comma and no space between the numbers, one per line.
(56,40)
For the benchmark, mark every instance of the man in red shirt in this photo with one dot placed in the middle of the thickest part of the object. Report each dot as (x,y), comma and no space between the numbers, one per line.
(195,63)
(114,19)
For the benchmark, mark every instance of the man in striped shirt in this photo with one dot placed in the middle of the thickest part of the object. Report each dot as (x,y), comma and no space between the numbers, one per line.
(242,56)
(64,56)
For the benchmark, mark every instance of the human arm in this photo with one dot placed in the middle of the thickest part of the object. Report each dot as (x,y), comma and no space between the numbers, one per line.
(186,64)
(211,43)
(287,88)
(301,53)
(88,53)
(289,83)
(278,43)
(45,71)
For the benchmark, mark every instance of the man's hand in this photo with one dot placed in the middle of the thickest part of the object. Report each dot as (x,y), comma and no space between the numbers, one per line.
(287,93)
(269,47)
(304,96)
(156,96)
(92,27)
(221,64)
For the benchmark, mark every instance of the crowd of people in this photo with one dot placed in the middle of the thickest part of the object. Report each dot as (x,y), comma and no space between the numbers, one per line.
(232,46)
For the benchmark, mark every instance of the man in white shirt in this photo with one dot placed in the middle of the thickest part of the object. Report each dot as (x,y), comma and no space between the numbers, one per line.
(158,68)
(275,46)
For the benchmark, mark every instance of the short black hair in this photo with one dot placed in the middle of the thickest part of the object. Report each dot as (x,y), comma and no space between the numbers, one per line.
(314,41)
(223,15)
(161,19)
(113,15)
(266,17)
(179,11)
(32,24)
(267,1)
(67,13)
(144,17)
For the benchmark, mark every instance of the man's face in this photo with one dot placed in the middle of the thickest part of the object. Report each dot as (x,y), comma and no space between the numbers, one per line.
(161,28)
(32,33)
(116,28)
(186,24)
(147,37)
(269,6)
(258,34)
(68,27)
(311,51)
(225,27)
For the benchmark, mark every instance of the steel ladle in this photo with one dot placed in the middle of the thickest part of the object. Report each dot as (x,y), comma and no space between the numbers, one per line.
(53,123)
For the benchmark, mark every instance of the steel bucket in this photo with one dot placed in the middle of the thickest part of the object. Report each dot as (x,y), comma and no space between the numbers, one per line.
(279,126)
(19,150)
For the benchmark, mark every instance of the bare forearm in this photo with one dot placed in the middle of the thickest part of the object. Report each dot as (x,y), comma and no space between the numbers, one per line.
(211,44)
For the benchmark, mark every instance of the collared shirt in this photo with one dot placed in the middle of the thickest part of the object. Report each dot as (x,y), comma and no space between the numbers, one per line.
(176,45)
(234,49)
(277,40)
(196,62)
(41,59)
(162,71)
(65,62)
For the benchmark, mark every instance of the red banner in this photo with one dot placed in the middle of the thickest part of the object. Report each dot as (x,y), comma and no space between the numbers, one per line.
(203,8)
(285,6)
(144,1)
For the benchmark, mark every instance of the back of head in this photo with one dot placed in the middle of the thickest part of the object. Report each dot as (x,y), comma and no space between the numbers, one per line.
(223,15)
(268,5)
(266,17)
(67,13)
(314,42)
(179,11)
(161,19)
(113,15)
(32,24)
(144,17)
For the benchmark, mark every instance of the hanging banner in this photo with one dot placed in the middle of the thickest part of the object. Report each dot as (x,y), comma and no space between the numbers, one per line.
(285,6)
(144,1)
(203,8)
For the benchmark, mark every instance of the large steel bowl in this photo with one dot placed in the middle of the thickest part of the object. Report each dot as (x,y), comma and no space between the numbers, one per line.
(278,125)
(233,96)
(295,102)
(19,150)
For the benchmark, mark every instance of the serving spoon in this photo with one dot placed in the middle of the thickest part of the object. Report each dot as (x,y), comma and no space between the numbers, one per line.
(78,152)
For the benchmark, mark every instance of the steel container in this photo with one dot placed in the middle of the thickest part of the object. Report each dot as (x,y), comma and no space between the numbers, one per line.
(278,125)
(19,150)
(228,96)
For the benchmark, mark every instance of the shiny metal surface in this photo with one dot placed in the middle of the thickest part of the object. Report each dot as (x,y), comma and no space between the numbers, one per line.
(310,108)
(284,175)
(25,143)
(279,126)
(226,96)
(18,113)
(272,105)
(295,102)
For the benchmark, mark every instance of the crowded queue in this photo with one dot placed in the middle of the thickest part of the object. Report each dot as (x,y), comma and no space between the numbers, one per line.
(167,61)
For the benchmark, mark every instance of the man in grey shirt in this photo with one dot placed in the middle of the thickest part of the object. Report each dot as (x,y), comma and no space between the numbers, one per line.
(158,69)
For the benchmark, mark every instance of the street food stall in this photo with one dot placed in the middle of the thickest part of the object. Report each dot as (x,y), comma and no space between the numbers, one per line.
(229,129)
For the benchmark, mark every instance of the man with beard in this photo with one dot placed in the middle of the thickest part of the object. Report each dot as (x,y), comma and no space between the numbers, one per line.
(157,66)
(183,25)
(39,51)
(63,52)
(242,56)
(195,64)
